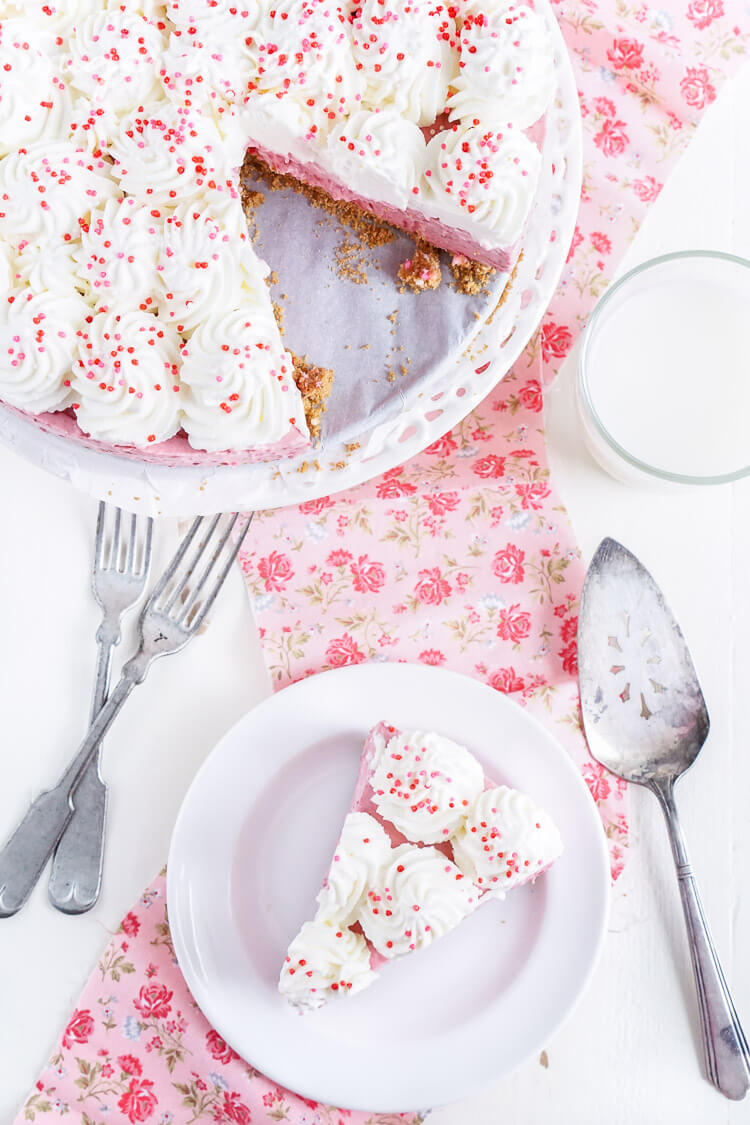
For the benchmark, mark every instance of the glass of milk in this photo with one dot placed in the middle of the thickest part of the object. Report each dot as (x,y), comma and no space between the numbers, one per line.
(664,372)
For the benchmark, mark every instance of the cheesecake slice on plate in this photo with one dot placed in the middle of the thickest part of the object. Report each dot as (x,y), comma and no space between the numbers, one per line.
(428,838)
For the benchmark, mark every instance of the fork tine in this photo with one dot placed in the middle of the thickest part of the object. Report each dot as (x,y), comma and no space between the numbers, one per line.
(114,557)
(179,555)
(200,616)
(146,555)
(190,602)
(99,548)
(184,578)
(132,540)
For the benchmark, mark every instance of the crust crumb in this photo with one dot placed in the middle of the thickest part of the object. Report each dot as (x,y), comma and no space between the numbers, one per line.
(314,384)
(472,278)
(422,270)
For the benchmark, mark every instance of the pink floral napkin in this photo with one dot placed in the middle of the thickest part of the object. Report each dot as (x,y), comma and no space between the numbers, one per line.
(463,558)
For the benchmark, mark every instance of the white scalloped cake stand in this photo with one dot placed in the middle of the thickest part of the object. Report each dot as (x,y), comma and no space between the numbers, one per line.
(429,409)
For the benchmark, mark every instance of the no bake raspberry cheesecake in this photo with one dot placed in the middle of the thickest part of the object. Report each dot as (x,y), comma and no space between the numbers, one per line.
(135,302)
(427,839)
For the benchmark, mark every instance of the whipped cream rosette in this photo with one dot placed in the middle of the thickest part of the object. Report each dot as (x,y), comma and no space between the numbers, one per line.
(34,102)
(362,850)
(115,257)
(205,265)
(113,58)
(505,840)
(506,66)
(425,784)
(273,121)
(408,56)
(38,339)
(417,897)
(382,149)
(303,49)
(125,379)
(49,266)
(401,895)
(324,961)
(239,390)
(485,179)
(46,189)
(205,75)
(165,153)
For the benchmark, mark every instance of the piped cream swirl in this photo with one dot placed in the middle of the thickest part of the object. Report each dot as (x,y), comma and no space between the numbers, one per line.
(34,103)
(505,840)
(303,49)
(116,257)
(506,67)
(114,59)
(486,179)
(418,896)
(239,391)
(46,189)
(383,150)
(205,264)
(424,784)
(126,383)
(407,54)
(38,337)
(324,961)
(363,848)
(164,153)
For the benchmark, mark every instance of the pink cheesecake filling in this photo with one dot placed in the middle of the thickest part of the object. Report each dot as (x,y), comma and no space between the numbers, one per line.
(177,451)
(431,230)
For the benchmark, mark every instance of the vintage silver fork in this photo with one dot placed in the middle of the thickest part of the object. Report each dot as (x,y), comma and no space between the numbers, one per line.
(122,560)
(172,615)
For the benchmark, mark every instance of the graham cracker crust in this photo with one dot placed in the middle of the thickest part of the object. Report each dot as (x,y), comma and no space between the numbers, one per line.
(314,384)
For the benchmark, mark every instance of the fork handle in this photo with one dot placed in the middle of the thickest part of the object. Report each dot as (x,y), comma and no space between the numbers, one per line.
(25,855)
(76,876)
(724,1043)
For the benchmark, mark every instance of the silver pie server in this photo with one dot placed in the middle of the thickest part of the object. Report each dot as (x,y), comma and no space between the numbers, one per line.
(646,720)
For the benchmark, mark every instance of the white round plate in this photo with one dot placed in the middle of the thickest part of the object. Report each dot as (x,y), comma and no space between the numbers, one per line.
(252,845)
(423,411)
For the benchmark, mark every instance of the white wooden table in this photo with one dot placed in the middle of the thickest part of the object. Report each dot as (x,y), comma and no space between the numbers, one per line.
(630,1052)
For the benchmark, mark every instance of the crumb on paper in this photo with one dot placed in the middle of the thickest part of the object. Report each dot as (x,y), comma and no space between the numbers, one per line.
(422,270)
(544,1060)
(351,446)
(307,466)
(278,312)
(337,466)
(351,261)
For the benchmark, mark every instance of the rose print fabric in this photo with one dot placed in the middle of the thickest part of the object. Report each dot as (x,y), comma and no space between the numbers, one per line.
(137,1049)
(462,558)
